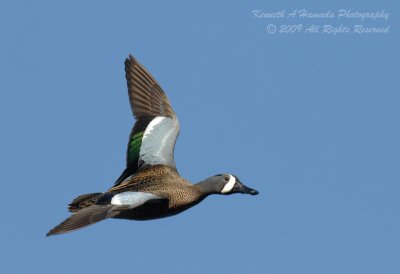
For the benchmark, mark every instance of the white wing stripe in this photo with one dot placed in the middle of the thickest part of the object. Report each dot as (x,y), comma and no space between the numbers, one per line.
(133,199)
(159,141)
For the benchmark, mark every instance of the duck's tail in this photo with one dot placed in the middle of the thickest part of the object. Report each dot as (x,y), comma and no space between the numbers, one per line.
(82,218)
(83,201)
(85,212)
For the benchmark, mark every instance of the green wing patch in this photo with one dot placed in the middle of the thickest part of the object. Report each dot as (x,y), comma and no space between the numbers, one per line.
(134,147)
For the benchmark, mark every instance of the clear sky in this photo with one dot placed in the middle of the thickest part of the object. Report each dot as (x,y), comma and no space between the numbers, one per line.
(310,119)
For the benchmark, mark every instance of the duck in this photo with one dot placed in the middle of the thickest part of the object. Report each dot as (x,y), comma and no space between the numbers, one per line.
(150,186)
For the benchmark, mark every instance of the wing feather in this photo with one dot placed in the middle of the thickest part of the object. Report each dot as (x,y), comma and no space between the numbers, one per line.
(148,101)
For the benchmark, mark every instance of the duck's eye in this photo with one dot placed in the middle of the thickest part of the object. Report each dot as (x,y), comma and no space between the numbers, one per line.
(226,178)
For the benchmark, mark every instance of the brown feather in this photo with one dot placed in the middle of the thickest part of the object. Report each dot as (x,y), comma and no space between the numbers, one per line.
(165,182)
(83,201)
(143,88)
(85,217)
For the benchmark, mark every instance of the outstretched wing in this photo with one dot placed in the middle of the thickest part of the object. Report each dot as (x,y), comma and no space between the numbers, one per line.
(153,137)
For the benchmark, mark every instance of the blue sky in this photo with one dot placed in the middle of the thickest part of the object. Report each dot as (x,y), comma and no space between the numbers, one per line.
(309,120)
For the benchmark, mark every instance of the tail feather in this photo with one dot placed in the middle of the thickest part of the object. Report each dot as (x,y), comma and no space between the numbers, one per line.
(84,201)
(82,218)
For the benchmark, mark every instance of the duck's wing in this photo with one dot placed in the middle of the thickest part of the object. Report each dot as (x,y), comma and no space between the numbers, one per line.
(153,137)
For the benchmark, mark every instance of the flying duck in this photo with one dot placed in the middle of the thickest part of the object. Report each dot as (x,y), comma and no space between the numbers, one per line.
(150,187)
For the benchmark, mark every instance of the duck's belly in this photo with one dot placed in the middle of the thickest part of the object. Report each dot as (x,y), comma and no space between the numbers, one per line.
(150,211)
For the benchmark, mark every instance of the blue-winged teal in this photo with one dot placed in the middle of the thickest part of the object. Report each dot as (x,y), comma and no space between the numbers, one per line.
(150,187)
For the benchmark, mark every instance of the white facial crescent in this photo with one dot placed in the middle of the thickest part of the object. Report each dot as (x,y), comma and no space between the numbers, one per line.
(228,187)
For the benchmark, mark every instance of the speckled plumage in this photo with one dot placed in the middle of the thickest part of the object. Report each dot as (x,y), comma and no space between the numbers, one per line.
(165,182)
(150,186)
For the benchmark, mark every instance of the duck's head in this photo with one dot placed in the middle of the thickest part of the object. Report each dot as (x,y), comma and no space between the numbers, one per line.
(229,184)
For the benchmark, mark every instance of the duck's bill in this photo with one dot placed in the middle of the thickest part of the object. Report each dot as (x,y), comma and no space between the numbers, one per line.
(247,190)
